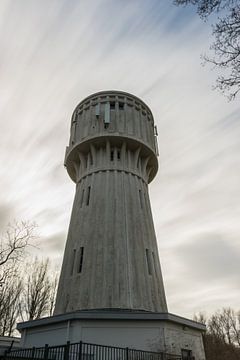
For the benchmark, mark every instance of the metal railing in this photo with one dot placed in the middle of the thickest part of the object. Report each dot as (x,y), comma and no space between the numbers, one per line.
(86,351)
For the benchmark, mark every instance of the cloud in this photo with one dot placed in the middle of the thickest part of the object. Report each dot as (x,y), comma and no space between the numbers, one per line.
(55,54)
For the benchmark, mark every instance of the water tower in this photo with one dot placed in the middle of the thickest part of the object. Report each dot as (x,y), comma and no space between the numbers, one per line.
(111,257)
(111,289)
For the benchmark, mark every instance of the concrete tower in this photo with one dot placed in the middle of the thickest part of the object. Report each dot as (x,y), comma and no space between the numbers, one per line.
(111,257)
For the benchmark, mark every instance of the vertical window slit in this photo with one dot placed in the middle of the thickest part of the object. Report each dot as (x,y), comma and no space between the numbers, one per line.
(82,198)
(112,105)
(112,155)
(88,195)
(81,259)
(121,106)
(140,198)
(118,154)
(73,261)
(148,262)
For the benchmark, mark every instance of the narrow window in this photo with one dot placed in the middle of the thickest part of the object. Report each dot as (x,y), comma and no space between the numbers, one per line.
(106,125)
(148,262)
(121,106)
(107,113)
(82,198)
(118,154)
(80,259)
(97,110)
(112,105)
(140,198)
(88,195)
(73,261)
(112,155)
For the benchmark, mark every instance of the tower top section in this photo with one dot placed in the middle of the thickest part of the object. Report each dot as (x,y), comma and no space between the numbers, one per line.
(112,117)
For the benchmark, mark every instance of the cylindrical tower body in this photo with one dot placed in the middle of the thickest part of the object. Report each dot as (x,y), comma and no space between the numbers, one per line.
(111,257)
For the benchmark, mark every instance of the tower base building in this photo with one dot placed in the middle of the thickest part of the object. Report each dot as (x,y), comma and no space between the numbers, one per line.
(111,289)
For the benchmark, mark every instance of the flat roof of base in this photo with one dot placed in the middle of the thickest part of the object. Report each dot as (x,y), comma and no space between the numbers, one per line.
(119,315)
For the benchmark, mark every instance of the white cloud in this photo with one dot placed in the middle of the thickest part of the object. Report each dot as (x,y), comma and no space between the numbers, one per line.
(53,55)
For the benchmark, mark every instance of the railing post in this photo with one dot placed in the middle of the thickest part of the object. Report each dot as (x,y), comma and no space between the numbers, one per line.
(80,351)
(66,350)
(127,353)
(46,352)
(33,352)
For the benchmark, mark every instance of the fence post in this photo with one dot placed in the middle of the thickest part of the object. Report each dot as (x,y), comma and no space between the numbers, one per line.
(66,350)
(80,351)
(33,352)
(127,353)
(46,352)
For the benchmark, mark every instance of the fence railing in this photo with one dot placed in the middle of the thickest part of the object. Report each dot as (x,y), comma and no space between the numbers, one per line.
(86,351)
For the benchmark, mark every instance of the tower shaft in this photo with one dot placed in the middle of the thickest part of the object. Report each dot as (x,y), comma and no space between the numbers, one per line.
(111,258)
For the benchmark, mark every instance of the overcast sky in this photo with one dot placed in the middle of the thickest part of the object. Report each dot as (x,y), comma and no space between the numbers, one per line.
(55,53)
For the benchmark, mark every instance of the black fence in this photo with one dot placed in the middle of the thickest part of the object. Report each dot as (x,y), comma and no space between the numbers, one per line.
(86,351)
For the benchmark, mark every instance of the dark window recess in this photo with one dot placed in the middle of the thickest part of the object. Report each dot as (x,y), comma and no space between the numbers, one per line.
(148,262)
(140,198)
(88,195)
(118,154)
(106,125)
(112,155)
(112,105)
(82,198)
(121,106)
(80,259)
(73,261)
(186,354)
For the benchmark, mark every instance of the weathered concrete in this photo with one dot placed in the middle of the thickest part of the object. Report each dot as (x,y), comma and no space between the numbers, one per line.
(140,330)
(8,342)
(111,256)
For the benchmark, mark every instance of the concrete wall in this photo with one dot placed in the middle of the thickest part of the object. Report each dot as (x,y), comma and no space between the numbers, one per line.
(144,335)
(8,341)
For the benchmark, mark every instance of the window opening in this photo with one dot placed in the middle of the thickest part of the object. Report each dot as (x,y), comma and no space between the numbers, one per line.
(97,110)
(73,261)
(82,198)
(107,113)
(88,195)
(118,154)
(186,354)
(81,259)
(140,198)
(112,155)
(106,125)
(121,105)
(112,105)
(148,262)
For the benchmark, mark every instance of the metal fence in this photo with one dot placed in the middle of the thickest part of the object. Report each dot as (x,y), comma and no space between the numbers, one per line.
(86,351)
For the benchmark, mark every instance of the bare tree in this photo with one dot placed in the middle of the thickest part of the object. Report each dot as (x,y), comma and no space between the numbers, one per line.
(9,309)
(226,46)
(221,341)
(13,244)
(39,291)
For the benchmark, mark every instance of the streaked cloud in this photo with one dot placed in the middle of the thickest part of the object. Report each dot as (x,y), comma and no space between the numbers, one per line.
(55,53)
